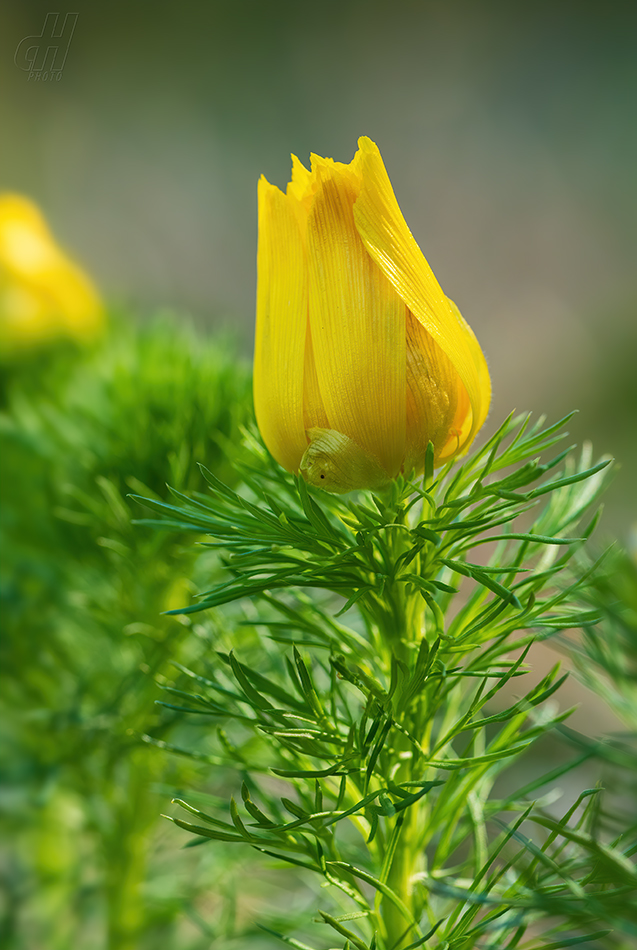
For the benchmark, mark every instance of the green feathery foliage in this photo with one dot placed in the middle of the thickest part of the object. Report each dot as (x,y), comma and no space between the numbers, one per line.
(84,640)
(606,654)
(374,754)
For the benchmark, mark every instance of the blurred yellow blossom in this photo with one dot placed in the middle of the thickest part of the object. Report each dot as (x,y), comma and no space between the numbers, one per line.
(43,294)
(360,358)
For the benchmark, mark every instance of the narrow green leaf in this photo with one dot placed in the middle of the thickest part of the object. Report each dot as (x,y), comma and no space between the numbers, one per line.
(237,822)
(422,940)
(202,815)
(569,479)
(336,769)
(291,941)
(390,849)
(462,567)
(288,859)
(255,698)
(254,810)
(574,941)
(343,931)
(377,749)
(204,832)
(385,890)
(531,538)
(352,600)
(309,690)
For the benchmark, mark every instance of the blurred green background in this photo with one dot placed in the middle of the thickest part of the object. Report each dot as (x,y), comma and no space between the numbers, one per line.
(508,130)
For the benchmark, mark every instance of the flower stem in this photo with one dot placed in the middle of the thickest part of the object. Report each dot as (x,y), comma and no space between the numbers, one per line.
(400,620)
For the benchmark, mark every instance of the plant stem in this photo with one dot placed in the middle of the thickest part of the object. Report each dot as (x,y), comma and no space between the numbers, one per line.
(407,862)
(401,628)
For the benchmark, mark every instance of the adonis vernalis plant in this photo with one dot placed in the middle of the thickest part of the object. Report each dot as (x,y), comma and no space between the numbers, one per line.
(366,752)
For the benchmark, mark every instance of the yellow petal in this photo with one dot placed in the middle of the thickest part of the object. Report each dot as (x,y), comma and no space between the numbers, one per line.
(390,243)
(279,354)
(357,322)
(484,380)
(314,415)
(459,430)
(432,395)
(302,184)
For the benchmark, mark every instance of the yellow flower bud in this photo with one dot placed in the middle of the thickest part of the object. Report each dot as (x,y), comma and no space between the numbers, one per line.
(360,359)
(43,294)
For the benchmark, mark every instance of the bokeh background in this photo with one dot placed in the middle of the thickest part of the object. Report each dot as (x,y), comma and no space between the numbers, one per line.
(508,129)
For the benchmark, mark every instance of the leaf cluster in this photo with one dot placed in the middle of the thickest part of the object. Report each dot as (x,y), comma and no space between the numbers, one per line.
(391,730)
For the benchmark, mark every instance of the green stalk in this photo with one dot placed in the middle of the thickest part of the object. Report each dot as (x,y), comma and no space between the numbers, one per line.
(401,626)
(407,861)
(126,844)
